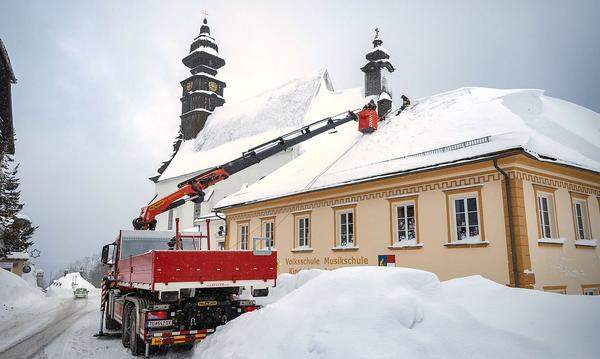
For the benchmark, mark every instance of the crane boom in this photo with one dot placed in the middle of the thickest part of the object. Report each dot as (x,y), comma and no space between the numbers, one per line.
(192,189)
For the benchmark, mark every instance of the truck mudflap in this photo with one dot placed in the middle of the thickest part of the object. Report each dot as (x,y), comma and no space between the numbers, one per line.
(177,337)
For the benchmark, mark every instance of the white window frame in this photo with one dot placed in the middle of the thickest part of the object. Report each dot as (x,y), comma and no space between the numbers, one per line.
(546,225)
(464,198)
(350,237)
(396,219)
(243,235)
(303,232)
(269,232)
(581,221)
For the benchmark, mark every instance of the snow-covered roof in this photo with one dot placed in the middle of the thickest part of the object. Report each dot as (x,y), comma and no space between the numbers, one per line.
(234,128)
(18,255)
(379,48)
(433,132)
(208,50)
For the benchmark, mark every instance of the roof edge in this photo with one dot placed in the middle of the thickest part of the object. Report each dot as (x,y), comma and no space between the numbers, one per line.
(4,55)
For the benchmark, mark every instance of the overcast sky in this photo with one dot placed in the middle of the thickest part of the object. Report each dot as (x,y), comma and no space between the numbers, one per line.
(97,100)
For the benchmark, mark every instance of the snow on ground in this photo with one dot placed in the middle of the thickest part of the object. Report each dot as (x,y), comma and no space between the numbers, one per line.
(64,286)
(380,312)
(24,308)
(16,294)
(287,283)
(358,312)
(527,119)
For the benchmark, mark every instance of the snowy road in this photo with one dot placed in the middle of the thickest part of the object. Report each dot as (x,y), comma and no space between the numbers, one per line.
(66,332)
(57,320)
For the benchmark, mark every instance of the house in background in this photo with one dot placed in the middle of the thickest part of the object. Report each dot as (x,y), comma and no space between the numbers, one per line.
(7,78)
(13,262)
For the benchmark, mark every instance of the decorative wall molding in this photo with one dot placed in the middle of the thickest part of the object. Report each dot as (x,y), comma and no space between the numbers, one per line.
(417,188)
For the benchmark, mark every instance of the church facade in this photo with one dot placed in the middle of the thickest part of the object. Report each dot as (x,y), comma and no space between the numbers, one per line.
(210,132)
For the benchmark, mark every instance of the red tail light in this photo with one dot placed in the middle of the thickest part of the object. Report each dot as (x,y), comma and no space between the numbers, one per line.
(250,308)
(161,314)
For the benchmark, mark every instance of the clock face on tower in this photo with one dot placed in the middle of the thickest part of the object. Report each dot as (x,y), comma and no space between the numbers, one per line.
(188,87)
(213,86)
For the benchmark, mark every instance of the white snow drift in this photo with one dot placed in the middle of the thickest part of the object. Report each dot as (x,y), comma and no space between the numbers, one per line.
(64,286)
(378,312)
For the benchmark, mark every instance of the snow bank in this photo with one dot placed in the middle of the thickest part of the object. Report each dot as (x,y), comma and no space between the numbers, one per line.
(16,293)
(64,286)
(287,283)
(381,312)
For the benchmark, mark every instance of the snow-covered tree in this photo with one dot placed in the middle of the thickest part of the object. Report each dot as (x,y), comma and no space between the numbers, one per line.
(15,230)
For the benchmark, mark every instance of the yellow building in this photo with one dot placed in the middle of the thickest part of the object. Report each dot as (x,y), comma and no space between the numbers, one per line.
(429,190)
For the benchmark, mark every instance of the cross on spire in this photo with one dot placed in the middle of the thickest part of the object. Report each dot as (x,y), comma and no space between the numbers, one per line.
(376,32)
(203,12)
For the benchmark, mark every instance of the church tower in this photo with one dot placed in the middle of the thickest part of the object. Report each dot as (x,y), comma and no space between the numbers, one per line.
(202,92)
(378,62)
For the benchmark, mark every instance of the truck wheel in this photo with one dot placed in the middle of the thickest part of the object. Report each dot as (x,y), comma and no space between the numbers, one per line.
(136,343)
(126,327)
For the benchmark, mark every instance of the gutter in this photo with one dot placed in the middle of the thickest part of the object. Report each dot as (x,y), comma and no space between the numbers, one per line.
(511,229)
(423,169)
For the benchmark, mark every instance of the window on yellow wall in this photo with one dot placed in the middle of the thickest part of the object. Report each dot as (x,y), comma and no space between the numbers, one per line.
(405,223)
(466,219)
(243,234)
(590,291)
(581,219)
(303,232)
(560,289)
(269,232)
(345,228)
(545,208)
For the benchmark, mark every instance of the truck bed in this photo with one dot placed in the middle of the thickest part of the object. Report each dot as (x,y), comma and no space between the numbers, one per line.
(169,270)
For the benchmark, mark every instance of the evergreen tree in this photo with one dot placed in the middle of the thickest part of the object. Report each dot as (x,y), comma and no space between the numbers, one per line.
(15,231)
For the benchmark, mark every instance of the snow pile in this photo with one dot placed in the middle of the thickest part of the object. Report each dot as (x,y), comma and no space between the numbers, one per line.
(31,277)
(287,283)
(16,293)
(65,285)
(381,312)
(527,119)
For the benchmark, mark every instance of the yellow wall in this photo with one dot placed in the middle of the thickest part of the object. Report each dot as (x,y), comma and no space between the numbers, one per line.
(371,201)
(563,264)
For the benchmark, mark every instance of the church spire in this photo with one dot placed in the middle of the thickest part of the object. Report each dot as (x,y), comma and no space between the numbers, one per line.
(378,59)
(378,62)
(203,91)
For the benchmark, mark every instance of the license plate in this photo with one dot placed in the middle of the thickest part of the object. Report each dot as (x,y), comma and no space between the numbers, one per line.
(160,323)
(207,303)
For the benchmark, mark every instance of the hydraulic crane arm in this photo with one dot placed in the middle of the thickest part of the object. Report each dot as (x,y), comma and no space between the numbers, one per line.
(192,189)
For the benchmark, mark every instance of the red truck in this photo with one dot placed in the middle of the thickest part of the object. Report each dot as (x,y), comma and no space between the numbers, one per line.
(163,290)
(159,296)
